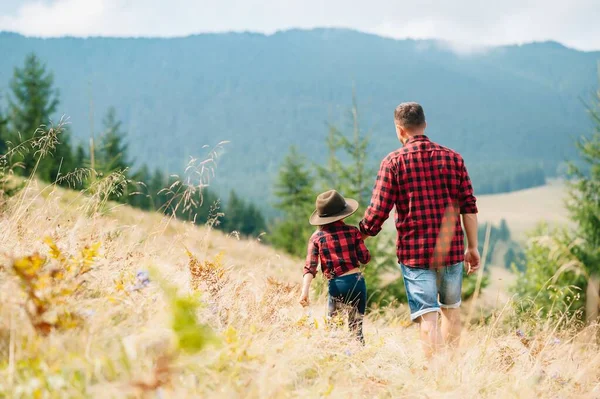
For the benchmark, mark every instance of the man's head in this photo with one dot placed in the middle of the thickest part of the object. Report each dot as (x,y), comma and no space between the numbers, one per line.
(410,121)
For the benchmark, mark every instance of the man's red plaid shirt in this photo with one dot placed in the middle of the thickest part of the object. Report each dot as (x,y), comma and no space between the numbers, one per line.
(339,247)
(429,186)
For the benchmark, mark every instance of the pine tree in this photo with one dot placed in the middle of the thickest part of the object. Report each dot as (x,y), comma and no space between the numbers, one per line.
(503,231)
(157,183)
(80,161)
(354,178)
(584,209)
(295,194)
(294,185)
(514,257)
(112,154)
(242,217)
(584,201)
(234,212)
(210,202)
(81,157)
(329,174)
(356,175)
(32,103)
(139,196)
(62,161)
(253,222)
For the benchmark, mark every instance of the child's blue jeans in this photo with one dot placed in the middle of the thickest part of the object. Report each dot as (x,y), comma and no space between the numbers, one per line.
(349,290)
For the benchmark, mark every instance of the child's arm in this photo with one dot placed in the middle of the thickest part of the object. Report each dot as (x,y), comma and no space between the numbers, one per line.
(308,278)
(310,270)
(363,254)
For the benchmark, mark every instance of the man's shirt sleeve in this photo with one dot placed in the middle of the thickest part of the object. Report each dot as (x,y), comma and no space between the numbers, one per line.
(383,200)
(468,202)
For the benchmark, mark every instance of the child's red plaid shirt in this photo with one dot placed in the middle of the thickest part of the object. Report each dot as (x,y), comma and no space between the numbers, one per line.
(339,247)
(429,186)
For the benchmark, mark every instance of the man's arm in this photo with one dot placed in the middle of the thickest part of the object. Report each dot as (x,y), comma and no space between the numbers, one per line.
(468,210)
(383,200)
(472,258)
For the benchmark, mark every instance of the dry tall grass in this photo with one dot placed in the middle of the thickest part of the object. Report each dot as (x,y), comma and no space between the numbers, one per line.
(264,345)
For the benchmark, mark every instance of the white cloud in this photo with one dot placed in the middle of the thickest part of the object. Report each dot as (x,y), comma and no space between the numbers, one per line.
(73,17)
(464,24)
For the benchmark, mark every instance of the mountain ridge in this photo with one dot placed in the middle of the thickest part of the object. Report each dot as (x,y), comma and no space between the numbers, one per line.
(438,41)
(511,105)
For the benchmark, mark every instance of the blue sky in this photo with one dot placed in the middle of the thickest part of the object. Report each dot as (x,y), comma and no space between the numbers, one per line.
(466,24)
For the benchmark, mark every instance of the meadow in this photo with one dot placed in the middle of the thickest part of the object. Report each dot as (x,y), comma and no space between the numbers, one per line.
(105,301)
(523,209)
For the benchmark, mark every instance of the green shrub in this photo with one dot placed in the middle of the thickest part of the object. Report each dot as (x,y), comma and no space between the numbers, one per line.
(553,283)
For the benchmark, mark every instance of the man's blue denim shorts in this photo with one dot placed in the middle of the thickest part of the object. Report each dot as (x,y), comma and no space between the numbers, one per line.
(429,290)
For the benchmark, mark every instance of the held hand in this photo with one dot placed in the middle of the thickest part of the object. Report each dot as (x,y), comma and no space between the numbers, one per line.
(364,236)
(472,260)
(304,299)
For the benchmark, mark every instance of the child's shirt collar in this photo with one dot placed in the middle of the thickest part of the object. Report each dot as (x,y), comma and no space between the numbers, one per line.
(339,223)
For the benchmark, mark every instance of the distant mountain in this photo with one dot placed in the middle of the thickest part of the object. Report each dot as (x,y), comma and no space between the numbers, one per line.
(506,106)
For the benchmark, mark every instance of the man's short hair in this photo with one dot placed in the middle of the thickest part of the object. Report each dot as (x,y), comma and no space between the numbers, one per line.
(409,115)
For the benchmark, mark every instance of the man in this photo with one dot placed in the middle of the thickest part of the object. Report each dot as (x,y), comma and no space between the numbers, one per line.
(429,186)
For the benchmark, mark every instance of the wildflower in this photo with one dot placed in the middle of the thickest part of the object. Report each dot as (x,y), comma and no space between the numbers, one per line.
(520,334)
(28,267)
(143,277)
(55,253)
(88,255)
(302,321)
(48,283)
(142,280)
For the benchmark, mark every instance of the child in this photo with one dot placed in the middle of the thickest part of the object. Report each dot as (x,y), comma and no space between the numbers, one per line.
(339,248)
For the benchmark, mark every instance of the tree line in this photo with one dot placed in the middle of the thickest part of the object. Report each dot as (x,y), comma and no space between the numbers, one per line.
(496,178)
(31,104)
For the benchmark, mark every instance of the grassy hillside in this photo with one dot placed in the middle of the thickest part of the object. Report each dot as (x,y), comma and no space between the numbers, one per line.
(263,344)
(509,107)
